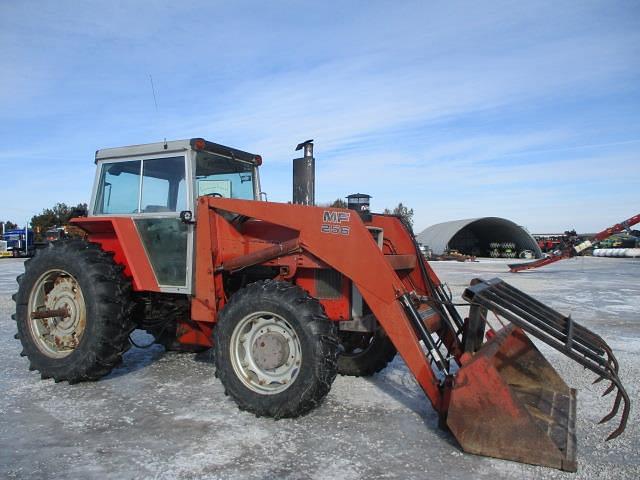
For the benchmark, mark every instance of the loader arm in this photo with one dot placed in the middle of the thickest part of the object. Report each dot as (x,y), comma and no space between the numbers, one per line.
(356,255)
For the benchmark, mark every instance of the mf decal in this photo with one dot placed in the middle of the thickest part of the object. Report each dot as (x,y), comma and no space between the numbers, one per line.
(332,222)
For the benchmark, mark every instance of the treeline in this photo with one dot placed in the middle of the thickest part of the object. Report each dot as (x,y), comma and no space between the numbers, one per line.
(56,216)
(9,225)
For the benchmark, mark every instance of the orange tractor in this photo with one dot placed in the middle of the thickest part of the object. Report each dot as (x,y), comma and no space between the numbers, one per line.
(180,244)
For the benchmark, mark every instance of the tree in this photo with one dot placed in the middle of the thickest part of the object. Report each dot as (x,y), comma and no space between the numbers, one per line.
(402,211)
(59,215)
(337,203)
(9,225)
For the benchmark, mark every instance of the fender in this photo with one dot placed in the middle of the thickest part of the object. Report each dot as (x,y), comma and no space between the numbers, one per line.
(120,236)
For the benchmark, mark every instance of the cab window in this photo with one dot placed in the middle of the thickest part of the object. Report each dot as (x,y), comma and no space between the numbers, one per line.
(162,189)
(222,176)
(163,185)
(118,188)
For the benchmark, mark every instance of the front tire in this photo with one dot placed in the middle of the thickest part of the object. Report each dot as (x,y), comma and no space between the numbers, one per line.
(275,350)
(73,311)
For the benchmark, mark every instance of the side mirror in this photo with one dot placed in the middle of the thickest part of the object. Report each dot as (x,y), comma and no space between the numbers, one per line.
(186,216)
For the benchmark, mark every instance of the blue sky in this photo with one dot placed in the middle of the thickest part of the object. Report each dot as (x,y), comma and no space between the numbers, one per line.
(526,110)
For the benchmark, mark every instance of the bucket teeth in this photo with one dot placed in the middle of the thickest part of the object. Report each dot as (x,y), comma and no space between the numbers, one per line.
(622,395)
(609,390)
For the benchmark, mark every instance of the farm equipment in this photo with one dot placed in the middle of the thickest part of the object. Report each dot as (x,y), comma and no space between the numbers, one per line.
(451,255)
(502,250)
(60,233)
(572,248)
(620,240)
(19,242)
(179,243)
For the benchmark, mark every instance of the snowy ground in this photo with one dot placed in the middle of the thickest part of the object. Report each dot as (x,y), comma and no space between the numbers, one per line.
(165,415)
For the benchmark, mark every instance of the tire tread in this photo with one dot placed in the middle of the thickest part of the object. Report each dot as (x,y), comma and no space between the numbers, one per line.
(111,304)
(312,319)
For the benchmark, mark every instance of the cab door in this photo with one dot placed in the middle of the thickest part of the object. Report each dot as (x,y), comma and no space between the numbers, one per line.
(153,190)
(164,193)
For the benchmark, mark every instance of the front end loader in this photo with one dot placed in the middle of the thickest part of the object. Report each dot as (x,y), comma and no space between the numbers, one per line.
(179,243)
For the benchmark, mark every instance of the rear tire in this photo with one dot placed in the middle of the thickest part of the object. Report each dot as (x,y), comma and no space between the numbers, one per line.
(88,341)
(275,350)
(364,353)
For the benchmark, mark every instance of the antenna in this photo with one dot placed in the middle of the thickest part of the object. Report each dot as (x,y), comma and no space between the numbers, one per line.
(153,90)
(155,102)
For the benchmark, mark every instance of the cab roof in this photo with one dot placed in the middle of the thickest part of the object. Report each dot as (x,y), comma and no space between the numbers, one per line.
(199,144)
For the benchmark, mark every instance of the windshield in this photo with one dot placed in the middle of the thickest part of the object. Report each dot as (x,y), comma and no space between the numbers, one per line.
(223,176)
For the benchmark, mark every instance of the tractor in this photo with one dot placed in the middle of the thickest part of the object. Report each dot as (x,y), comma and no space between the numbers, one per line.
(181,242)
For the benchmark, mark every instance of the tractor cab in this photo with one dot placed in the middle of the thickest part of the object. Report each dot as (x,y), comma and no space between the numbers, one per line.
(153,183)
(152,178)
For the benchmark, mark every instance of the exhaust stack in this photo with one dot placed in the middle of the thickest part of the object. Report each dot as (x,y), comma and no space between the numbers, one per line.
(304,175)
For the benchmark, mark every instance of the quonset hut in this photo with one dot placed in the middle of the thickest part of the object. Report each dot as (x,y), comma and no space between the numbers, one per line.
(478,236)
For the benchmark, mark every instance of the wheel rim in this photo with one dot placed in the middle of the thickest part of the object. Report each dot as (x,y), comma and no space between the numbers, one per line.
(57,314)
(265,353)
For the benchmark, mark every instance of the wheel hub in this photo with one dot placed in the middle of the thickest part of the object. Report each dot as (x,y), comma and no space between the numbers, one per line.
(270,350)
(265,353)
(58,313)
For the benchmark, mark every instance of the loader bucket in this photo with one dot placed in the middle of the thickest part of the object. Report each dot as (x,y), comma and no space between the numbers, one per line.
(507,401)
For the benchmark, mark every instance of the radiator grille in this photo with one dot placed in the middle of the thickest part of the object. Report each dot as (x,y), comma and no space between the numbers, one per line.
(328,283)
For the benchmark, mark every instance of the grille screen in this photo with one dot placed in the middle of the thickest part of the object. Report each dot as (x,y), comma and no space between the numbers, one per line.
(328,283)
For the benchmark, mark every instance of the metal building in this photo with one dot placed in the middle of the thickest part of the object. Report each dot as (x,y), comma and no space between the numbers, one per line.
(478,236)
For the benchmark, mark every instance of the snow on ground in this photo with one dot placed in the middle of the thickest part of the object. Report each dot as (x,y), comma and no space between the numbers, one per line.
(164,415)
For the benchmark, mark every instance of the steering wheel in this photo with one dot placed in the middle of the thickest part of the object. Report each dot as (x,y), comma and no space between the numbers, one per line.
(215,194)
